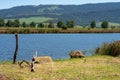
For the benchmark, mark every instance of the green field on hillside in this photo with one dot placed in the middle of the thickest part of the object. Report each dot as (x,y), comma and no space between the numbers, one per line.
(110,24)
(30,19)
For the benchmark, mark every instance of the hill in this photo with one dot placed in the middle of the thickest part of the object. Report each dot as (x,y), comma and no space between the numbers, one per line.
(81,14)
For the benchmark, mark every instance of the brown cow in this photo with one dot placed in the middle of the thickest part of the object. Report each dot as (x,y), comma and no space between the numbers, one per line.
(76,54)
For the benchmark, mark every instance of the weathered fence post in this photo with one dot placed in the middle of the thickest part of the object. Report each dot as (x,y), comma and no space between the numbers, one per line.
(16,49)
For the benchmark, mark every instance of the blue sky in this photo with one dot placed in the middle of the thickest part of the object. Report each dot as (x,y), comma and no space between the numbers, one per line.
(11,3)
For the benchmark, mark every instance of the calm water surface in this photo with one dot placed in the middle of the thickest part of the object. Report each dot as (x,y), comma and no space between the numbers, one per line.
(57,46)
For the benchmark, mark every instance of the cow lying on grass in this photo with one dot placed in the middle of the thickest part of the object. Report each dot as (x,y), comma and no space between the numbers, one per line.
(37,59)
(76,54)
(42,59)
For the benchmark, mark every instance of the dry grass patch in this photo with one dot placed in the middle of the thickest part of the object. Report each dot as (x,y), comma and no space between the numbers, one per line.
(89,68)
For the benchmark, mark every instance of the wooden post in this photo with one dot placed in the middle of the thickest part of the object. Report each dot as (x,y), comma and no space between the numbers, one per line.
(16,49)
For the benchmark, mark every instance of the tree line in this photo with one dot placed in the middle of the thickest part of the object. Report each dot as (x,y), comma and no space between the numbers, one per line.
(104,24)
(50,24)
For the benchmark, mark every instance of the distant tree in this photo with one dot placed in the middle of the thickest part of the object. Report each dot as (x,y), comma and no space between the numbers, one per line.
(51,24)
(60,24)
(32,24)
(64,26)
(24,24)
(9,23)
(104,24)
(16,23)
(41,25)
(2,22)
(113,27)
(70,24)
(93,24)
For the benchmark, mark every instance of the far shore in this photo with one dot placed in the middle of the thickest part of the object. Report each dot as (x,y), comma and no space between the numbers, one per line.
(28,30)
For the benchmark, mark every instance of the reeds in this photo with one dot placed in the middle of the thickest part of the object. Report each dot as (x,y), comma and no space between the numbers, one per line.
(112,49)
(28,30)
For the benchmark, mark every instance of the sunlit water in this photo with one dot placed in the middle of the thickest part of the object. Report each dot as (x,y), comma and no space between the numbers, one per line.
(57,46)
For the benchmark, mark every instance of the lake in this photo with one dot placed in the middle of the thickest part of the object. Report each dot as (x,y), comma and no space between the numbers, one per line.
(57,46)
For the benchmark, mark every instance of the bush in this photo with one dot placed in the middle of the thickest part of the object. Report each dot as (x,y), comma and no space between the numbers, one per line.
(26,31)
(64,27)
(112,49)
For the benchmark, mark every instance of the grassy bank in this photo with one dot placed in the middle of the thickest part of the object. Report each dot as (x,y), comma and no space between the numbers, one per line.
(89,68)
(56,30)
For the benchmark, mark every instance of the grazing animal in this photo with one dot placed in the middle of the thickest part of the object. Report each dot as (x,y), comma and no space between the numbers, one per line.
(42,59)
(24,63)
(76,54)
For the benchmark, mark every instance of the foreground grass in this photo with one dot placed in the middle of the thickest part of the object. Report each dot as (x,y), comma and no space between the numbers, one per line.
(89,68)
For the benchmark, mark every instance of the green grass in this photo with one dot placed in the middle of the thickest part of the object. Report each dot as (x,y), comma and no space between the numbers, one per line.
(110,24)
(89,68)
(30,19)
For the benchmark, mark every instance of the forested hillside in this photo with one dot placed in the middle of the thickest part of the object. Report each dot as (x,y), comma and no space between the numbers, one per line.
(81,14)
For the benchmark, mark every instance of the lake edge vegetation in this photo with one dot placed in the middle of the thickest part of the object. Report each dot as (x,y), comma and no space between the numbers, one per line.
(111,49)
(14,30)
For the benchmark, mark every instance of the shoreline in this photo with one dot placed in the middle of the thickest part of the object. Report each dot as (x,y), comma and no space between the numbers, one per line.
(55,30)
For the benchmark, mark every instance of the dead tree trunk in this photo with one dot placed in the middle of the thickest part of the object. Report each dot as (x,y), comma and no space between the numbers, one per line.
(16,49)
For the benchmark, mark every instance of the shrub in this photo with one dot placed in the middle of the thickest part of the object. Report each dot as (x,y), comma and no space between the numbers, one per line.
(41,30)
(26,31)
(112,49)
(64,27)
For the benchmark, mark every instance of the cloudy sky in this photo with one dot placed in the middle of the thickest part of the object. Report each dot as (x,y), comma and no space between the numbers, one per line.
(11,3)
